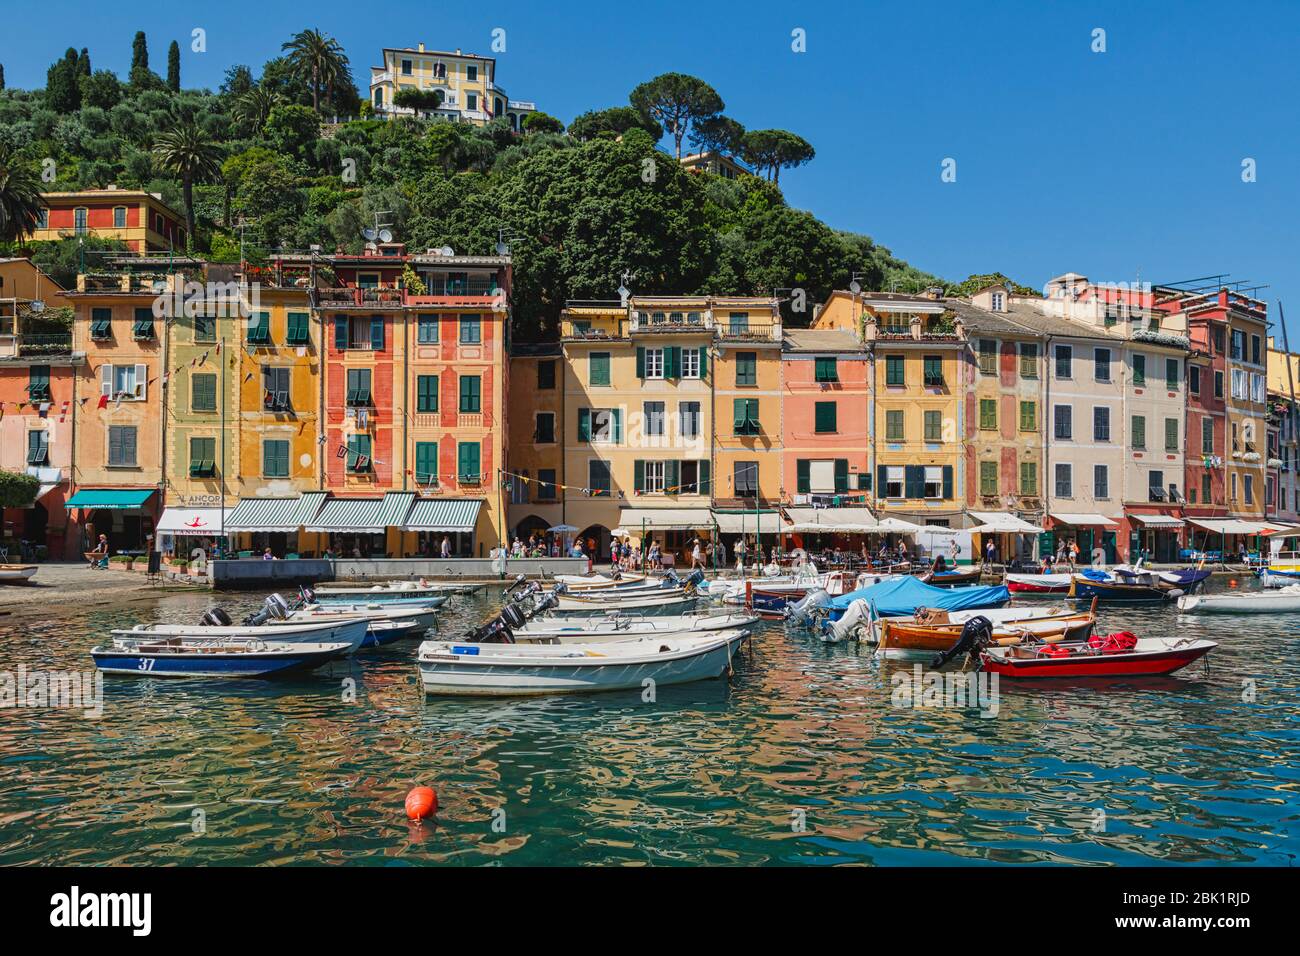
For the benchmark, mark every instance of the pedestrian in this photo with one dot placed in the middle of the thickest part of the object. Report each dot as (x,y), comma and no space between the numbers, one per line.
(990,552)
(446,546)
(267,555)
(740,554)
(697,554)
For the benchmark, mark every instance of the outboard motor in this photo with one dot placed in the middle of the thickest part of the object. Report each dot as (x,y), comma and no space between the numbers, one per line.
(277,606)
(307,595)
(975,636)
(693,581)
(519,580)
(495,631)
(513,617)
(670,579)
(216,617)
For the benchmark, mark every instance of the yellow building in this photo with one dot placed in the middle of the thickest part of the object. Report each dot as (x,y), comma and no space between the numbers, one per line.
(535,439)
(466,81)
(140,219)
(917,419)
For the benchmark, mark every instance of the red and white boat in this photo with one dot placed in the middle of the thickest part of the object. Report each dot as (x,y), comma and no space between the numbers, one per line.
(1038,583)
(1110,655)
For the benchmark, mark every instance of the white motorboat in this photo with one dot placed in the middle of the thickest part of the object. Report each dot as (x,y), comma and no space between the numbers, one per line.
(350,631)
(424,592)
(619,627)
(421,616)
(598,582)
(510,670)
(1029,584)
(659,602)
(1280,601)
(12,573)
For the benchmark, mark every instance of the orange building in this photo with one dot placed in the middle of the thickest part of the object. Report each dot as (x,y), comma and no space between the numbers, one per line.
(140,219)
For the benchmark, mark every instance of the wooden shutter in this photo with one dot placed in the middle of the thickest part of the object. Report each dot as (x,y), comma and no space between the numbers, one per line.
(706,482)
(341,332)
(115,445)
(881,481)
(128,445)
(638,476)
(616,425)
(640,361)
(106,380)
(947,481)
(704,362)
(672,478)
(841,475)
(584,424)
(142,382)
(913,481)
(803,476)
(377,333)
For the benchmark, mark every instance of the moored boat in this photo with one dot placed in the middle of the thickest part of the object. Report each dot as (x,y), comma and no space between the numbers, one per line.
(903,639)
(621,628)
(152,656)
(1038,583)
(350,632)
(598,582)
(1140,589)
(951,579)
(510,670)
(1283,601)
(433,595)
(1112,655)
(14,573)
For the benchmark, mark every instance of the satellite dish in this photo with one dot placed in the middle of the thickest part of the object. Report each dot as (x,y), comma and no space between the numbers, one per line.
(855,286)
(447,251)
(385,235)
(37,305)
(503,249)
(369,233)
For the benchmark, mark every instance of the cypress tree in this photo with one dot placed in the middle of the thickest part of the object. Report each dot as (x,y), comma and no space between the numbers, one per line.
(83,63)
(2,76)
(139,52)
(174,67)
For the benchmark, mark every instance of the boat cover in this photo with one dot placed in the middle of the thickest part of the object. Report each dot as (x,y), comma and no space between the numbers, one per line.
(902,596)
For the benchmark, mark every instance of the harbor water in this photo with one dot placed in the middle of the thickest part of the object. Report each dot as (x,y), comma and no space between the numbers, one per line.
(803,757)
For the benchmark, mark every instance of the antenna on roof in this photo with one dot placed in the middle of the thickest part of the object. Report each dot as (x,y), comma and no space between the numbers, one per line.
(385,235)
(369,234)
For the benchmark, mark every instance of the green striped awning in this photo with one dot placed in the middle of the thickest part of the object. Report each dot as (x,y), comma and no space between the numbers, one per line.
(443,514)
(395,507)
(118,499)
(274,514)
(350,514)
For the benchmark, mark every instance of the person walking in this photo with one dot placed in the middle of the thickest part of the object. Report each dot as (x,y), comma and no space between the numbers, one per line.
(697,555)
(446,546)
(990,552)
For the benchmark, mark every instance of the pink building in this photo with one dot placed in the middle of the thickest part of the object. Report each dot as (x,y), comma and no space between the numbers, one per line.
(824,417)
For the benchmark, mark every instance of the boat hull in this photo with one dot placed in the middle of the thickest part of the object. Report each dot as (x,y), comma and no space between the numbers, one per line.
(276,661)
(580,630)
(1038,583)
(1137,663)
(17,573)
(430,597)
(900,641)
(670,602)
(1111,591)
(1257,603)
(351,631)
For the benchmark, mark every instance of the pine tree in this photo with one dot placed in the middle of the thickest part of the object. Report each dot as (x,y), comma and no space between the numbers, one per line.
(174,67)
(62,93)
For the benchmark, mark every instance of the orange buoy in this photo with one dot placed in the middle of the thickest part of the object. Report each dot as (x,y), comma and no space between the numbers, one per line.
(1232,582)
(421,802)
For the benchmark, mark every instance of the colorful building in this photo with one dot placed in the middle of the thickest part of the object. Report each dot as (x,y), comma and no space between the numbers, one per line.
(140,219)
(1284,432)
(825,425)
(466,81)
(536,436)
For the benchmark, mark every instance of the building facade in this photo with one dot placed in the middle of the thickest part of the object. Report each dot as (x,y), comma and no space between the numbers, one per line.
(140,219)
(467,84)
(535,439)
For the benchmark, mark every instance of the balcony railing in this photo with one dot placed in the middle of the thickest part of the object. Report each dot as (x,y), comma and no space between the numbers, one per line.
(753,332)
(36,343)
(651,321)
(354,298)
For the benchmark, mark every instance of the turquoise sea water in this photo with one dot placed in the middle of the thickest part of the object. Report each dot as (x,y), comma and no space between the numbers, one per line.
(799,759)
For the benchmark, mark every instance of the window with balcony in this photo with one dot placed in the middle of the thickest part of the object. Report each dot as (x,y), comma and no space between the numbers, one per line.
(275,458)
(358,387)
(738,323)
(426,393)
(203,457)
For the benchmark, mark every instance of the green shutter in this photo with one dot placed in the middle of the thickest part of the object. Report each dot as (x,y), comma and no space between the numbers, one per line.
(297,332)
(638,476)
(584,424)
(640,361)
(824,417)
(341,332)
(616,425)
(598,371)
(377,333)
(704,362)
(803,476)
(426,462)
(841,475)
(706,483)
(673,361)
(427,393)
(989,414)
(947,481)
(672,478)
(913,481)
(467,458)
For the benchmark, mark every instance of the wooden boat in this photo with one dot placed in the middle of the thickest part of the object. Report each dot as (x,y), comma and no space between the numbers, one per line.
(1038,583)
(620,628)
(952,579)
(511,670)
(1146,656)
(1149,590)
(1283,601)
(899,638)
(13,573)
(598,582)
(351,632)
(151,656)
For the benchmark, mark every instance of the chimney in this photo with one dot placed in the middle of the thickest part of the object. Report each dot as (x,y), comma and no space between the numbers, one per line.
(421,50)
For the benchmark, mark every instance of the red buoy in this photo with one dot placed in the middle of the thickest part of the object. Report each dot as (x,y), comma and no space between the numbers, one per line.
(1232,582)
(421,802)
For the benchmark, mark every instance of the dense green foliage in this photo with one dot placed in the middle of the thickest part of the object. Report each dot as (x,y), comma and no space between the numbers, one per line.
(262,160)
(18,490)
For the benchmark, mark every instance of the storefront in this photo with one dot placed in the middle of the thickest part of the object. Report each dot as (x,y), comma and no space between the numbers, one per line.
(364,527)
(127,516)
(1155,537)
(1014,539)
(184,531)
(760,530)
(433,519)
(672,528)
(1089,531)
(256,524)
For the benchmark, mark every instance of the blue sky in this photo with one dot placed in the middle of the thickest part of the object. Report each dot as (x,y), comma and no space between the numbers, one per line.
(1122,165)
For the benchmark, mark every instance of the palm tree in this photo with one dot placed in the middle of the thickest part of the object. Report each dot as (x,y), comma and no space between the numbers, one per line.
(20,196)
(317,59)
(251,110)
(189,153)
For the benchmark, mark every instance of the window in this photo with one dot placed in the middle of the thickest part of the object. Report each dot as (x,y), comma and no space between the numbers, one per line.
(1217,332)
(894,481)
(894,425)
(544,433)
(746,478)
(1029,416)
(654,419)
(1238,345)
(275,389)
(996,301)
(824,370)
(654,364)
(79,220)
(1218,385)
(43,219)
(358,386)
(1139,370)
(1254,349)
(746,368)
(933,487)
(1248,488)
(468,467)
(470,397)
(988,478)
(125,382)
(1029,478)
(988,357)
(1063,417)
(203,392)
(406,68)
(692,362)
(603,425)
(598,477)
(1240,389)
(546,375)
(598,368)
(471,102)
(358,461)
(1064,361)
(426,329)
(746,416)
(1100,423)
(932,422)
(1101,481)
(1139,431)
(1207,435)
(894,371)
(650,476)
(38,447)
(203,457)
(1258,388)
(1101,365)
(932,371)
(1155,486)
(825,418)
(1172,375)
(988,414)
(38,383)
(119,217)
(1028,360)
(1194,379)
(471,330)
(101,323)
(545,484)
(738,323)
(694,478)
(275,458)
(426,393)
(142,328)
(471,73)
(259,328)
(1064,480)
(121,446)
(1171,434)
(426,462)
(689,419)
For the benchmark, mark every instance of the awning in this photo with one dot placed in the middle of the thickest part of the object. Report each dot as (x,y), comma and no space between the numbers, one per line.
(118,499)
(1068,517)
(192,521)
(892,525)
(748,522)
(394,508)
(355,515)
(1232,526)
(274,514)
(845,520)
(999,522)
(665,519)
(1157,521)
(443,514)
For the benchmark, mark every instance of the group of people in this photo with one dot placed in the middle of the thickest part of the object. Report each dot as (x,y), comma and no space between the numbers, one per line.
(535,548)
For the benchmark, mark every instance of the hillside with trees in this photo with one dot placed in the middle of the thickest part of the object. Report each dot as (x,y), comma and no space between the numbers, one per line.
(291,156)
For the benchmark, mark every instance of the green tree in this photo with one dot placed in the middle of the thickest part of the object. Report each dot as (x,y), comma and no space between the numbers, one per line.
(719,134)
(20,195)
(540,122)
(291,129)
(974,283)
(101,89)
(414,98)
(141,77)
(775,149)
(18,490)
(186,151)
(62,94)
(319,60)
(2,76)
(174,67)
(254,107)
(676,100)
(612,123)
(238,81)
